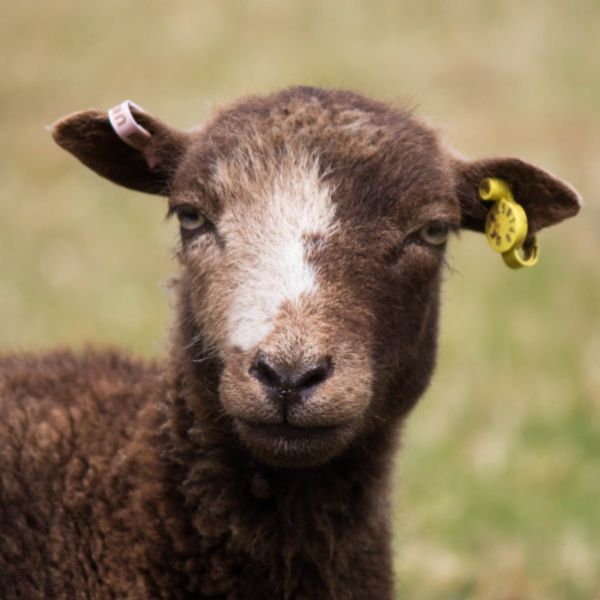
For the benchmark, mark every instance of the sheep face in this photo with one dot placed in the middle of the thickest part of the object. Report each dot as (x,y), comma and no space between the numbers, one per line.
(313,231)
(312,245)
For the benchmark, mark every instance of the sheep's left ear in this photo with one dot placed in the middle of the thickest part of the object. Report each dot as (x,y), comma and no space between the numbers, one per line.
(546,199)
(126,145)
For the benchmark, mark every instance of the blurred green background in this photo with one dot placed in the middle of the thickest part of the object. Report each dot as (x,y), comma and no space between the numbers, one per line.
(498,489)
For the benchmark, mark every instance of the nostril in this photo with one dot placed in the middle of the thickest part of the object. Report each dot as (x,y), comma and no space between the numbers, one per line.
(265,373)
(313,376)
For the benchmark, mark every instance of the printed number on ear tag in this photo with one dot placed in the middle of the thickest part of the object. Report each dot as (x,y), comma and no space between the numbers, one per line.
(506,225)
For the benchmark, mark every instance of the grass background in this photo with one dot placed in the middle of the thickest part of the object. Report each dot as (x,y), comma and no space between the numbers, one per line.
(499,479)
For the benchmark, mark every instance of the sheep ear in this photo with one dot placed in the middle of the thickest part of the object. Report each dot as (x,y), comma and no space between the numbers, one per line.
(126,145)
(546,199)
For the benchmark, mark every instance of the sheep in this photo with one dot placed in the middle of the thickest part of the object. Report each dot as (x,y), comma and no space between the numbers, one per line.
(254,461)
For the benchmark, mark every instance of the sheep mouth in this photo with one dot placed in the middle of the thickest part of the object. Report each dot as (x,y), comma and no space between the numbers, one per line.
(288,431)
(286,445)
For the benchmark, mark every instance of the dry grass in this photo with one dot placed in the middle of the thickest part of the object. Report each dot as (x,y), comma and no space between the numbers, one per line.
(500,472)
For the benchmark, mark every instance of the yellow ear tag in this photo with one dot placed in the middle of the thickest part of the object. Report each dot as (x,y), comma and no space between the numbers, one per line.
(506,225)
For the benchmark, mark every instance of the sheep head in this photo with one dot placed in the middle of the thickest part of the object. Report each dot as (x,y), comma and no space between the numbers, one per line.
(313,231)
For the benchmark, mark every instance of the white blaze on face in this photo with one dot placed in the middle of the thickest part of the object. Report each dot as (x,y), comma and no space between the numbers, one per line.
(266,249)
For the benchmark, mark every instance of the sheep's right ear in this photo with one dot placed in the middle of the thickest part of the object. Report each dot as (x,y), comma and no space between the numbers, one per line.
(126,145)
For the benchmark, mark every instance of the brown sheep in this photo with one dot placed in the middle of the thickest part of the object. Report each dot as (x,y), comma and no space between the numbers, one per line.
(253,463)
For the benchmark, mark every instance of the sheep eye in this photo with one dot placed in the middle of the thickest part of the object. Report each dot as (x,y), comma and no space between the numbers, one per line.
(435,233)
(189,218)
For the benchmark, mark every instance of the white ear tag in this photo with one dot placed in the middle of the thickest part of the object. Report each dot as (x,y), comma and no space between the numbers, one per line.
(126,127)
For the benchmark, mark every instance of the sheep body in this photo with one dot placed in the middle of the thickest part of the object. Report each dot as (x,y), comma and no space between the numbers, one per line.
(66,423)
(96,499)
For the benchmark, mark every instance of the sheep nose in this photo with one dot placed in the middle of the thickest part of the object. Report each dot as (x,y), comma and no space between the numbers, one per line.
(290,384)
